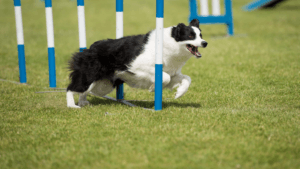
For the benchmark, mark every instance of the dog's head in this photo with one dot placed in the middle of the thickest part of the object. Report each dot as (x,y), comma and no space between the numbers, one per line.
(190,37)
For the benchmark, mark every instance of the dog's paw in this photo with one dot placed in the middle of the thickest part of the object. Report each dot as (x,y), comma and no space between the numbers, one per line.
(151,88)
(174,86)
(179,94)
(83,103)
(182,89)
(73,106)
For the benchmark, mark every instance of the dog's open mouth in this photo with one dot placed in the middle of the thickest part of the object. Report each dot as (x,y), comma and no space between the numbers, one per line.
(194,50)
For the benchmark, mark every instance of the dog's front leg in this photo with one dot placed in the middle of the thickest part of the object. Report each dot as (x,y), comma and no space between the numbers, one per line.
(166,81)
(183,87)
(182,82)
(82,97)
(70,100)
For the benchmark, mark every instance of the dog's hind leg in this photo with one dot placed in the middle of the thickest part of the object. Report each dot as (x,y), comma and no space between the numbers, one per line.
(82,96)
(102,87)
(82,100)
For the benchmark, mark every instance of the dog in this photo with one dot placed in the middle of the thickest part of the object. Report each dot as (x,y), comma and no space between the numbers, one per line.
(131,60)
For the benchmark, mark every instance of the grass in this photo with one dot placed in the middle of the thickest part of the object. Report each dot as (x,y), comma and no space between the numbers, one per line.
(241,111)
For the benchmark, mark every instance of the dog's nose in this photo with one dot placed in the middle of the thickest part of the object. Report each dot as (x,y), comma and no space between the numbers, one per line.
(204,44)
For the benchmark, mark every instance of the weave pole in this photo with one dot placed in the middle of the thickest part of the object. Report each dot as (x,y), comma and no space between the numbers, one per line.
(119,34)
(81,25)
(20,41)
(50,41)
(159,54)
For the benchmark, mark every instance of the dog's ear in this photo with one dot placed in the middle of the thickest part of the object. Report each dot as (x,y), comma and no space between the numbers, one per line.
(176,31)
(195,23)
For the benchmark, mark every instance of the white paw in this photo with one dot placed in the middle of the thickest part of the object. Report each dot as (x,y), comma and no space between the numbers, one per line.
(83,103)
(179,94)
(175,86)
(181,91)
(151,88)
(183,87)
(73,106)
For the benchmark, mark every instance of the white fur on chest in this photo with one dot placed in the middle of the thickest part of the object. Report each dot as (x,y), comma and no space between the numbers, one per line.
(174,56)
(143,67)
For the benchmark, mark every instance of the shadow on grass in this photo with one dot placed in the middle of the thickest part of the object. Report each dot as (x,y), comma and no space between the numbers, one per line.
(146,104)
(290,8)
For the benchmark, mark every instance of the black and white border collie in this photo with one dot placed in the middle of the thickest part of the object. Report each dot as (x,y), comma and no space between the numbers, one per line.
(131,59)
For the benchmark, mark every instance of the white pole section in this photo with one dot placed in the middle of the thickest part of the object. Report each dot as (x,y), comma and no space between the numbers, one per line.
(204,8)
(50,29)
(81,25)
(159,40)
(119,25)
(19,25)
(216,11)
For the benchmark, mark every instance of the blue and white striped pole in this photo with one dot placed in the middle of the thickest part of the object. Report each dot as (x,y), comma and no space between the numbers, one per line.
(20,40)
(50,40)
(159,54)
(119,34)
(81,25)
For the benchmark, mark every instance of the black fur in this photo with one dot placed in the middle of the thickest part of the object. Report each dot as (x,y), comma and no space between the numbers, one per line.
(182,32)
(102,59)
(195,22)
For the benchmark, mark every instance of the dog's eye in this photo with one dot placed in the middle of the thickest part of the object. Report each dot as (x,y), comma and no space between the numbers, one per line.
(191,36)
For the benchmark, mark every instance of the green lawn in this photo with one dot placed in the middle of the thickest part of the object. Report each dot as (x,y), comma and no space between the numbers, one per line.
(242,109)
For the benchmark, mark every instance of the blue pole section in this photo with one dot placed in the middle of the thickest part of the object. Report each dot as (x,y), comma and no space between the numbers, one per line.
(50,41)
(158,87)
(119,5)
(228,15)
(22,64)
(193,10)
(20,41)
(120,92)
(119,34)
(81,25)
(51,62)
(159,55)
